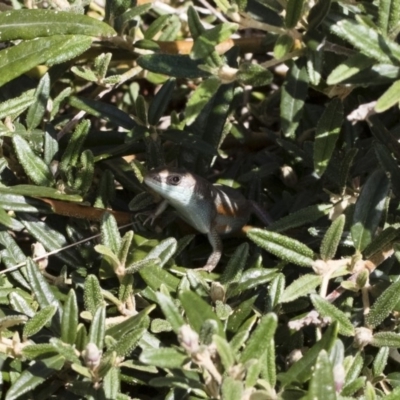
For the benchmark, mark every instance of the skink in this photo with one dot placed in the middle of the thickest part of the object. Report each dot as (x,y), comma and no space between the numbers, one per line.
(211,209)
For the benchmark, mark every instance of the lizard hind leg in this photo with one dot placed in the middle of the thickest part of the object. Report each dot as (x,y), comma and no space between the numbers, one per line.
(215,256)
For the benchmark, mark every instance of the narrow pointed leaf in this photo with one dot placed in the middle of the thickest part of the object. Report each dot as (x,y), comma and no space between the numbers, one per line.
(170,311)
(332,238)
(322,384)
(301,370)
(97,328)
(30,24)
(40,319)
(294,93)
(200,98)
(384,305)
(260,338)
(293,12)
(367,40)
(38,108)
(17,105)
(303,286)
(327,309)
(198,311)
(33,166)
(69,321)
(286,248)
(34,376)
(327,133)
(369,208)
(16,60)
(390,98)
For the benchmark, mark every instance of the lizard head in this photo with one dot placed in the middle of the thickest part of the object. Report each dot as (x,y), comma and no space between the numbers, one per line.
(173,184)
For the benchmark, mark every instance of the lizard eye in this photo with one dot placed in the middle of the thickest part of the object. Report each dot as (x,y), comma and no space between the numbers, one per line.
(174,180)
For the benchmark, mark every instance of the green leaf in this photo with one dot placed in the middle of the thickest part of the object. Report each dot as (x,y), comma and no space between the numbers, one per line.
(301,370)
(160,102)
(303,286)
(163,358)
(384,305)
(283,46)
(225,352)
(97,328)
(163,251)
(369,208)
(112,383)
(332,237)
(200,97)
(236,264)
(43,293)
(367,40)
(390,98)
(108,255)
(171,311)
(286,248)
(16,60)
(30,24)
(322,384)
(259,340)
(103,110)
(39,191)
(205,43)
(387,14)
(38,108)
(51,239)
(41,318)
(327,309)
(155,276)
(253,74)
(380,361)
(301,217)
(326,135)
(17,105)
(231,389)
(135,322)
(386,339)
(34,375)
(293,13)
(294,93)
(380,242)
(318,13)
(352,66)
(33,166)
(75,143)
(389,164)
(110,236)
(126,343)
(198,311)
(195,26)
(179,66)
(69,321)
(92,294)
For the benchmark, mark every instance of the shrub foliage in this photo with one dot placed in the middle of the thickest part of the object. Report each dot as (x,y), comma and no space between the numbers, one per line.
(293,102)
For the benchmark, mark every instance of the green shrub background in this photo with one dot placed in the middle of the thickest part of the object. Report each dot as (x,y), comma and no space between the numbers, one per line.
(293,102)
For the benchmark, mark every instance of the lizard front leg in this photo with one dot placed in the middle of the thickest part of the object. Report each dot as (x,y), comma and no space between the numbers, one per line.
(215,256)
(158,211)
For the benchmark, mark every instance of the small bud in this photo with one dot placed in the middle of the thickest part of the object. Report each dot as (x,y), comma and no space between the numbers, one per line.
(294,356)
(188,339)
(39,251)
(288,176)
(320,267)
(92,356)
(227,74)
(217,292)
(363,337)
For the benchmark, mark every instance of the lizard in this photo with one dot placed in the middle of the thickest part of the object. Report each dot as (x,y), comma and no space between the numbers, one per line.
(211,209)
